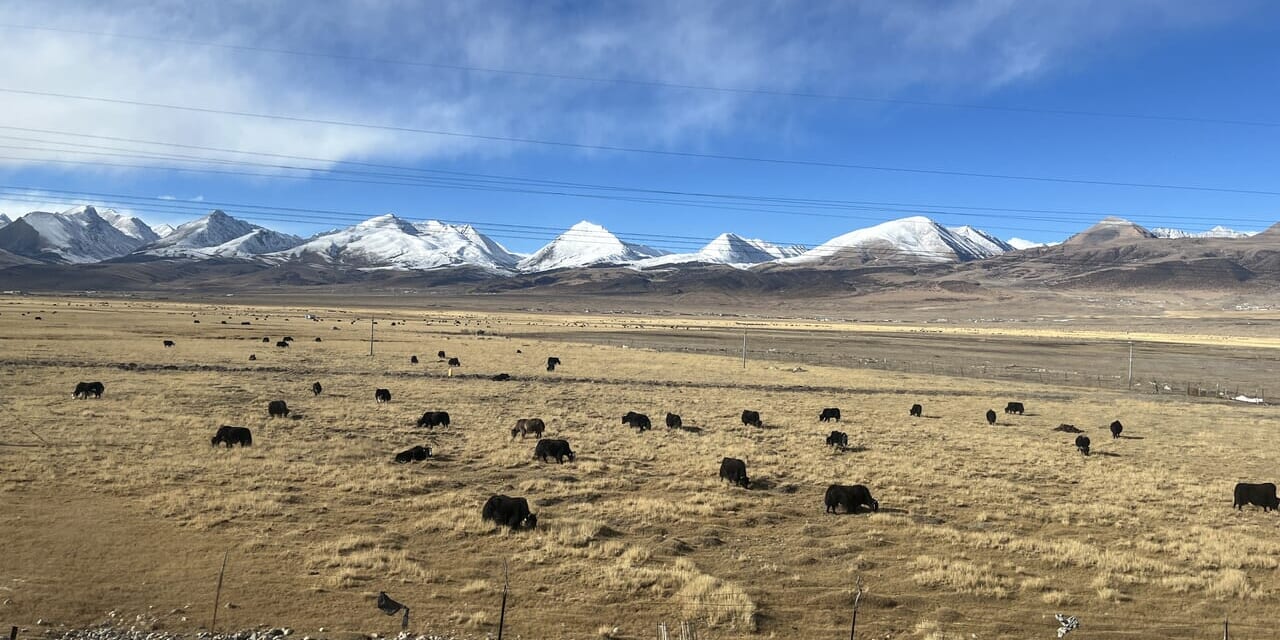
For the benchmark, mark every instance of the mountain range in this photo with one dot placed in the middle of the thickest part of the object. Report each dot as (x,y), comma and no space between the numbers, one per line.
(87,234)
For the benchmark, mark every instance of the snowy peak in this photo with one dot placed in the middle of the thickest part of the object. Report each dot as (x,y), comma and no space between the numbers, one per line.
(1216,232)
(4,220)
(128,225)
(388,241)
(586,244)
(163,230)
(983,239)
(219,234)
(728,249)
(77,235)
(914,239)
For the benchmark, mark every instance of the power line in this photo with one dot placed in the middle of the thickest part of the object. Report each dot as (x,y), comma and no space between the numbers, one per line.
(772,200)
(495,185)
(641,150)
(756,91)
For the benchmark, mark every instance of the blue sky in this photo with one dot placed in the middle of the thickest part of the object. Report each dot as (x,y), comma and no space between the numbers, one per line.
(1206,61)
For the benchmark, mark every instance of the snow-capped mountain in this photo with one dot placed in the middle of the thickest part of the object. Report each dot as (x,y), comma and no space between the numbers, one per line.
(219,234)
(128,225)
(77,235)
(1216,232)
(4,220)
(983,239)
(163,230)
(1020,244)
(388,241)
(586,244)
(917,239)
(729,249)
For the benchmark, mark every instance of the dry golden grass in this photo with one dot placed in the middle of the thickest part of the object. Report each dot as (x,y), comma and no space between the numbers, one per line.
(123,505)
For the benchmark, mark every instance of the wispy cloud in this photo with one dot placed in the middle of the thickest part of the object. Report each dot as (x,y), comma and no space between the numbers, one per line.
(877,47)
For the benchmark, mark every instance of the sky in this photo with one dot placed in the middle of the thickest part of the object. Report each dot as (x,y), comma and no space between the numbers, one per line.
(667,121)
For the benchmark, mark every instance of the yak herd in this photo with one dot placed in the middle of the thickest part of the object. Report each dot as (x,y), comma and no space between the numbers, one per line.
(514,512)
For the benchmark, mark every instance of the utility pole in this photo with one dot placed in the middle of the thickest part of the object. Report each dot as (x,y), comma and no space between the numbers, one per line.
(853,626)
(502,616)
(217,595)
(1226,630)
(744,348)
(371,323)
(1131,364)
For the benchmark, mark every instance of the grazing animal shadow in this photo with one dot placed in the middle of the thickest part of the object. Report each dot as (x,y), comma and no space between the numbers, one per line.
(932,417)
(891,510)
(857,448)
(690,428)
(1124,437)
(1108,454)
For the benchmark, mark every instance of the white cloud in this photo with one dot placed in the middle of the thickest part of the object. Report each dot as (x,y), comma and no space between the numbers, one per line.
(877,47)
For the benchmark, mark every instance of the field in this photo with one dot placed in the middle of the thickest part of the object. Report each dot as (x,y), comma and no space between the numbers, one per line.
(118,510)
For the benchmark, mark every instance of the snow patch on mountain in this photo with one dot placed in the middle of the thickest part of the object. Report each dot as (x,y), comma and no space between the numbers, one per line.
(163,230)
(586,244)
(916,238)
(388,241)
(4,220)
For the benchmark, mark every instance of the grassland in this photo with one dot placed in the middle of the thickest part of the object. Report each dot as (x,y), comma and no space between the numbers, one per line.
(118,509)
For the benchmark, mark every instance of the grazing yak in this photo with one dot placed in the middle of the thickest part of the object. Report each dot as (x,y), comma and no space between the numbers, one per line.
(734,471)
(991,417)
(454,362)
(1116,428)
(1014,407)
(267,339)
(917,411)
(168,343)
(85,389)
(1082,444)
(232,436)
(316,388)
(1067,428)
(414,454)
(513,512)
(1262,495)
(282,344)
(674,421)
(252,357)
(501,377)
(318,339)
(552,363)
(440,354)
(526,426)
(382,395)
(558,449)
(751,418)
(287,339)
(850,497)
(277,409)
(829,414)
(838,439)
(637,421)
(413,359)
(434,419)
